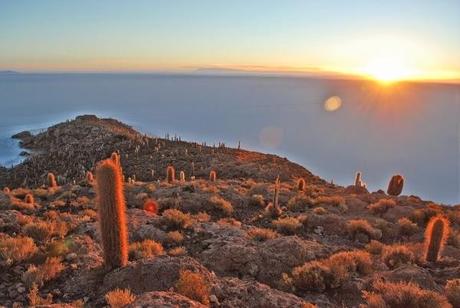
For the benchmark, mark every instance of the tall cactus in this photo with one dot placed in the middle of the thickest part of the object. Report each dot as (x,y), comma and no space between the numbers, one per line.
(276,195)
(301,184)
(212,176)
(170,174)
(111,211)
(436,234)
(51,180)
(182,176)
(396,185)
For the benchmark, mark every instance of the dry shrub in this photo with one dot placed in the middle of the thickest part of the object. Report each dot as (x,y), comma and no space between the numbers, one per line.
(257,201)
(51,215)
(177,252)
(220,204)
(344,264)
(119,298)
(169,203)
(375,247)
(319,211)
(336,201)
(396,255)
(359,227)
(422,216)
(17,249)
(299,203)
(381,206)
(23,219)
(42,231)
(228,221)
(262,234)
(201,217)
(312,276)
(58,248)
(145,249)
(194,286)
(332,272)
(36,300)
(402,294)
(45,272)
(19,205)
(92,214)
(407,227)
(390,231)
(174,237)
(176,219)
(453,292)
(287,225)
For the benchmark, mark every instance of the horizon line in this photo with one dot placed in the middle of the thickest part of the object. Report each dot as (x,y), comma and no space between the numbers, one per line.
(254,71)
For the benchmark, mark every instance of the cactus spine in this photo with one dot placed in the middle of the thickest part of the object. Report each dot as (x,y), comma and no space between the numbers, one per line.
(111,211)
(301,184)
(51,180)
(395,186)
(170,174)
(436,235)
(212,176)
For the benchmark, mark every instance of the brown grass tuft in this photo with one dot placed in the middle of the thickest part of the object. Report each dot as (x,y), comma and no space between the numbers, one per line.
(17,249)
(287,225)
(396,255)
(194,286)
(402,294)
(262,234)
(145,249)
(176,219)
(119,298)
(382,206)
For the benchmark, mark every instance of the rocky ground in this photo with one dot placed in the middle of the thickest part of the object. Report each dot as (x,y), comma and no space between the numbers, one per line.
(211,243)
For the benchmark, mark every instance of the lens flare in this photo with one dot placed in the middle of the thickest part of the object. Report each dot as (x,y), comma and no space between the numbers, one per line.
(333,103)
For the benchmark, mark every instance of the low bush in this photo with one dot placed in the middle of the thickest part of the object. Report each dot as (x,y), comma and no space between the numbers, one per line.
(402,294)
(194,286)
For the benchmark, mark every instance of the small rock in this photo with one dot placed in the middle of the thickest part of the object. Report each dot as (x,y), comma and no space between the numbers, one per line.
(71,256)
(21,290)
(213,299)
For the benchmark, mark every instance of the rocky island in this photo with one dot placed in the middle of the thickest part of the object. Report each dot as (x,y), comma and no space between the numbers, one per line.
(166,223)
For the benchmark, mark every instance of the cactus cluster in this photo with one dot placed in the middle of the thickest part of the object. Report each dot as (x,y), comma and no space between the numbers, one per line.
(111,212)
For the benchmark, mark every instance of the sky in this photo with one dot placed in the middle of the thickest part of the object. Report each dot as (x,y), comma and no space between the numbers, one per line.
(385,39)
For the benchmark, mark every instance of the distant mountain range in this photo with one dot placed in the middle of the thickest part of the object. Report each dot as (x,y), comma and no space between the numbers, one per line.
(8,72)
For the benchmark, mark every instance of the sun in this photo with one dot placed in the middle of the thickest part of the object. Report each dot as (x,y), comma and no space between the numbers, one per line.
(388,69)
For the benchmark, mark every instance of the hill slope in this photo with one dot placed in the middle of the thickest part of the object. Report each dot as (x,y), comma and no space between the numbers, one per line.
(327,246)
